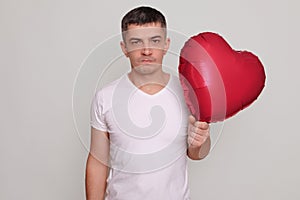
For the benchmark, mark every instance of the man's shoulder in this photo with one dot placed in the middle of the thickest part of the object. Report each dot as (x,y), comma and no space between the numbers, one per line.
(109,87)
(175,82)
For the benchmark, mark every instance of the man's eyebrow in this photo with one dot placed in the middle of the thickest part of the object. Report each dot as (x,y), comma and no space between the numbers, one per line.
(133,38)
(156,37)
(153,37)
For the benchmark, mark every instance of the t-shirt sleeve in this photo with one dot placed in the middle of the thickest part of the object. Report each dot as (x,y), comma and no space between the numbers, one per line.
(97,118)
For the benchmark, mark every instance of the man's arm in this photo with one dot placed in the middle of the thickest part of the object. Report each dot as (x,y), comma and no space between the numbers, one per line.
(97,165)
(198,139)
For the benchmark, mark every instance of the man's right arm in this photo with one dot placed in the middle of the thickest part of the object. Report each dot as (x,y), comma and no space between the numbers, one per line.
(97,165)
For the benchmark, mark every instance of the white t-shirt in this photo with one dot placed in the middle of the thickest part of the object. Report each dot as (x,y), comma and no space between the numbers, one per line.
(147,140)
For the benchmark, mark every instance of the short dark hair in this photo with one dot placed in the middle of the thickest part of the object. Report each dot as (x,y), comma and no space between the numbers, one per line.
(143,15)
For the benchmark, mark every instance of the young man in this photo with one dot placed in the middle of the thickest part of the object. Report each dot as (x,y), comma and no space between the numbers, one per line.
(141,130)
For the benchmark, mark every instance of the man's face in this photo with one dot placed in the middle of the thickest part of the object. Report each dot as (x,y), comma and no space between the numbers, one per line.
(145,46)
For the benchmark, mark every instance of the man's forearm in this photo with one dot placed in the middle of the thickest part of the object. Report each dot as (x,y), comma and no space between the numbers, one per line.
(198,153)
(95,182)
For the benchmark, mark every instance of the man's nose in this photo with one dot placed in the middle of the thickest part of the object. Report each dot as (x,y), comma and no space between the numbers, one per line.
(147,50)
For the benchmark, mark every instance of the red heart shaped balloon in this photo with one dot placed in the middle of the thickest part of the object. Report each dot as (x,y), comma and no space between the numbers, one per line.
(218,81)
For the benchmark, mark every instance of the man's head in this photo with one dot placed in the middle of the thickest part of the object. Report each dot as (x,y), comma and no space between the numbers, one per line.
(144,38)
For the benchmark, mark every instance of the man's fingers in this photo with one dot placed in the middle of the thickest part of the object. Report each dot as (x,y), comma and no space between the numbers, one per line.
(196,131)
(196,141)
(196,136)
(192,119)
(201,125)
(198,124)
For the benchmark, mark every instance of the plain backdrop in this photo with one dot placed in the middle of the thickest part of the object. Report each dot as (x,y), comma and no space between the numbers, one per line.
(43,45)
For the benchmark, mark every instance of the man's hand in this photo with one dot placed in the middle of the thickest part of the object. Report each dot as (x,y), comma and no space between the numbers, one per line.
(198,139)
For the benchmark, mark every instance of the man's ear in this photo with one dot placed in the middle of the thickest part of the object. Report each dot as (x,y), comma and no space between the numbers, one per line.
(124,48)
(167,45)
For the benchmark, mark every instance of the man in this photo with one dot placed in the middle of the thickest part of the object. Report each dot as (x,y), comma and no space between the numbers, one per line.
(133,155)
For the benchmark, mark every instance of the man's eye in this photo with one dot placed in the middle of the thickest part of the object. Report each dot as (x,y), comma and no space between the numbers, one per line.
(155,41)
(135,42)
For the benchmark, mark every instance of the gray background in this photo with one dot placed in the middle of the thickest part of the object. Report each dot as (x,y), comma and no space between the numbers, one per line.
(43,44)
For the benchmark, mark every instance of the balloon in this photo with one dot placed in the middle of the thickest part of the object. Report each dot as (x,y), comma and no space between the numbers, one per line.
(218,81)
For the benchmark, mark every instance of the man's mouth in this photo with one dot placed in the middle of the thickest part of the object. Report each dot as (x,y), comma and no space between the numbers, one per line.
(147,60)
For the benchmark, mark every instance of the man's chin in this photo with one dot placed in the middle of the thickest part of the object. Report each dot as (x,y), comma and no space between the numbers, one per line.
(146,68)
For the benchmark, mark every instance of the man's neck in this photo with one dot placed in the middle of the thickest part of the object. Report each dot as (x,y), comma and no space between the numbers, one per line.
(149,83)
